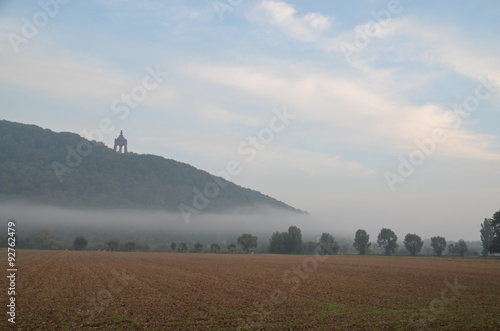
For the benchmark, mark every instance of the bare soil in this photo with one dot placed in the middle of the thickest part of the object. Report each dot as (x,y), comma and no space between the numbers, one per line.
(68,290)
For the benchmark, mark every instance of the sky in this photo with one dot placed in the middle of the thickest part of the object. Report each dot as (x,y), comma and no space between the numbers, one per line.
(366,114)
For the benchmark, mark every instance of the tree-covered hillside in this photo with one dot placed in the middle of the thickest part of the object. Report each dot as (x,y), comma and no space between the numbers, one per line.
(65,169)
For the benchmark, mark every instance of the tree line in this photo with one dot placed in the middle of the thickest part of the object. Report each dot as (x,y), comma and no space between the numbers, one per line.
(287,242)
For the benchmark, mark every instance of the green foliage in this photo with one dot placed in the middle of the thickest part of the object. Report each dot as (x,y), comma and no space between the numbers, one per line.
(487,235)
(161,248)
(80,243)
(215,248)
(103,178)
(247,242)
(231,248)
(345,247)
(438,245)
(198,247)
(112,245)
(56,245)
(495,223)
(130,246)
(495,220)
(413,243)
(277,243)
(327,245)
(173,247)
(293,240)
(182,248)
(286,242)
(460,248)
(362,241)
(309,247)
(495,244)
(39,240)
(387,240)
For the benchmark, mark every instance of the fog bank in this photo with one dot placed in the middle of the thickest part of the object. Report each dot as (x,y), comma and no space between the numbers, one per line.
(158,226)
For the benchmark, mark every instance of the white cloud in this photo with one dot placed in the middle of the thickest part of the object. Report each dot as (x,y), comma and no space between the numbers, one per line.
(280,11)
(68,76)
(471,58)
(224,116)
(346,109)
(407,41)
(317,21)
(61,77)
(161,11)
(316,164)
(398,39)
(306,28)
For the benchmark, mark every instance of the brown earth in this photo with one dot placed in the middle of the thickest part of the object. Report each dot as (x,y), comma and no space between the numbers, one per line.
(68,290)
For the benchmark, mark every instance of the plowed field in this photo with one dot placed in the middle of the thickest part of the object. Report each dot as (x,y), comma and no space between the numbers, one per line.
(67,290)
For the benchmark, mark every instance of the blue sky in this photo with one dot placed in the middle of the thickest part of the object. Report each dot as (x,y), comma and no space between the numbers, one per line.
(364,80)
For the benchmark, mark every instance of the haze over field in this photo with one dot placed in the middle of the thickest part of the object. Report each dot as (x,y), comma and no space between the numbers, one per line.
(121,223)
(366,114)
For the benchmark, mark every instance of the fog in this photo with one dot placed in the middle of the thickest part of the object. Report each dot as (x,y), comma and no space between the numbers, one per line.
(156,227)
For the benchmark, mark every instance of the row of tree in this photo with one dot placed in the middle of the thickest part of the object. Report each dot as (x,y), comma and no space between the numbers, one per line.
(289,242)
(80,243)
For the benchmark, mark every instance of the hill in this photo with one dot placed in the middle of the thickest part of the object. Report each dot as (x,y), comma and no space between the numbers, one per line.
(64,169)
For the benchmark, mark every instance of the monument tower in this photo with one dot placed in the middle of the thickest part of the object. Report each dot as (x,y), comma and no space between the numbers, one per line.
(121,142)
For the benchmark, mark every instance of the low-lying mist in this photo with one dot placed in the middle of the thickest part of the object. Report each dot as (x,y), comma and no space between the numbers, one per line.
(156,227)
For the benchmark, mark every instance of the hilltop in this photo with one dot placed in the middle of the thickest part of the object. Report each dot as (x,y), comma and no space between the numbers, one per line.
(64,169)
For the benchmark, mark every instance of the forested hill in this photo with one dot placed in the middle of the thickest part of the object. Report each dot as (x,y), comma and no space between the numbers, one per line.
(63,169)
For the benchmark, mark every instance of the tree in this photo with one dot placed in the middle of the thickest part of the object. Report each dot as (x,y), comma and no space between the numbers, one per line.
(162,248)
(362,241)
(247,242)
(173,247)
(80,243)
(487,235)
(387,240)
(40,240)
(215,248)
(460,248)
(198,247)
(345,248)
(495,244)
(277,243)
(413,243)
(293,240)
(112,245)
(438,244)
(495,223)
(182,248)
(231,248)
(327,245)
(452,249)
(130,246)
(309,247)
